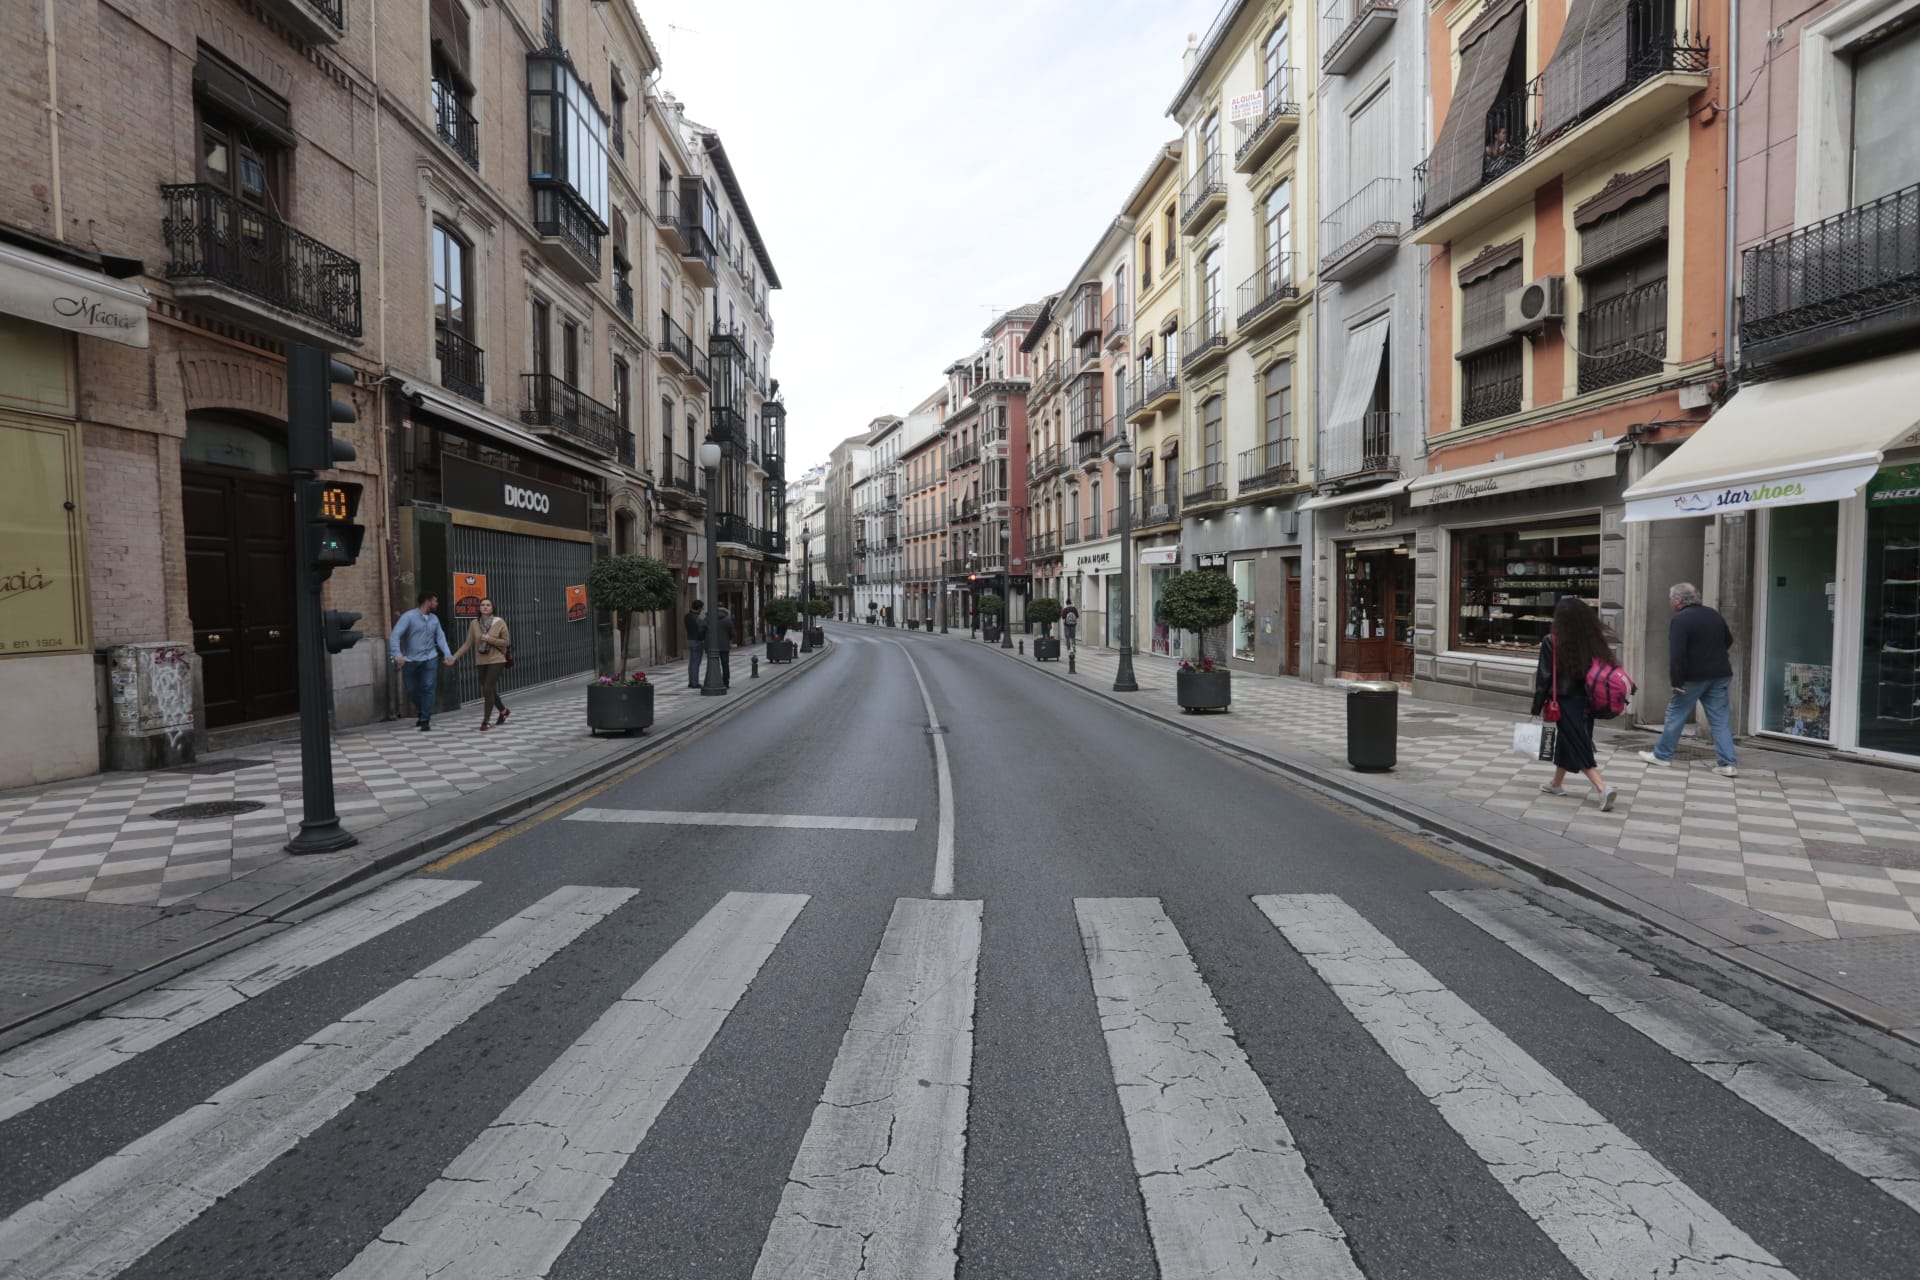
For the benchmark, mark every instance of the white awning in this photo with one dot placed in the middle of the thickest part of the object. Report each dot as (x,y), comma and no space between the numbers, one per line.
(1816,438)
(1358,374)
(1511,475)
(47,291)
(1353,495)
(1160,555)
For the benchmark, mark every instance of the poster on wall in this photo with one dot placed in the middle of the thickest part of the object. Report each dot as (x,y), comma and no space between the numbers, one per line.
(577,603)
(1808,701)
(43,598)
(469,589)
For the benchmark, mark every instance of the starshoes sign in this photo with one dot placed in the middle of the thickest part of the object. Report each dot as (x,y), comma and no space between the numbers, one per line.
(490,491)
(1784,491)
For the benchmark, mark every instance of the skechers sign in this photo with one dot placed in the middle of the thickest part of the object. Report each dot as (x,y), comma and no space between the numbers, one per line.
(491,491)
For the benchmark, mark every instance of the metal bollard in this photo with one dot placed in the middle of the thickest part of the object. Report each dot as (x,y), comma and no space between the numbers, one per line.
(756,667)
(1070,668)
(1021,645)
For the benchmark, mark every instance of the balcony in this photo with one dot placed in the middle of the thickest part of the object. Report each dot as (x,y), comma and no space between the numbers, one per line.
(1268,466)
(1624,337)
(313,21)
(1159,508)
(1359,451)
(1204,194)
(1257,139)
(1351,29)
(1153,389)
(561,409)
(567,164)
(1070,535)
(1204,341)
(676,348)
(697,256)
(965,509)
(1114,325)
(1083,415)
(568,233)
(1838,285)
(666,209)
(680,475)
(1089,451)
(1361,232)
(455,124)
(463,368)
(1043,546)
(623,295)
(1045,381)
(1269,295)
(1086,315)
(964,456)
(232,258)
(1047,462)
(1204,484)
(727,424)
(1573,114)
(735,530)
(1090,528)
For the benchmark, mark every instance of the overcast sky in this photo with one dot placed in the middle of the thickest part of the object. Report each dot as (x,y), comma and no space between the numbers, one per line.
(916,166)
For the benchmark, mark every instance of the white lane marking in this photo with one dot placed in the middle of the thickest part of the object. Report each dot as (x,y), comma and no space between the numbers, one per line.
(105,1219)
(790,821)
(1227,1191)
(508,1205)
(49,1067)
(1831,1107)
(1608,1205)
(943,845)
(875,1189)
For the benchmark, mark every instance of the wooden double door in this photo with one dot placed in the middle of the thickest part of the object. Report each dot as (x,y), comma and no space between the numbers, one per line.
(241,577)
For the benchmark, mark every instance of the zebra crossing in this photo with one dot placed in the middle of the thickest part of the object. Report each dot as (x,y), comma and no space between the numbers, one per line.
(877,1186)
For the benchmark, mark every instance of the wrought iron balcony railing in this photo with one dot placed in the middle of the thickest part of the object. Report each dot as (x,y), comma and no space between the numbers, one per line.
(1114,324)
(1280,109)
(1370,218)
(1159,508)
(1350,28)
(1044,463)
(455,124)
(1043,546)
(677,344)
(1151,383)
(1624,337)
(1491,383)
(623,295)
(1268,466)
(1090,528)
(1264,292)
(1843,280)
(1362,448)
(1205,483)
(213,236)
(681,475)
(1204,339)
(964,456)
(559,406)
(1070,533)
(463,367)
(1202,190)
(558,213)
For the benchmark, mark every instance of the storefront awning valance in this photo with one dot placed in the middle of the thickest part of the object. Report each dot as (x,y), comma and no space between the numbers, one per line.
(1591,461)
(1816,438)
(1353,495)
(1160,555)
(45,291)
(511,434)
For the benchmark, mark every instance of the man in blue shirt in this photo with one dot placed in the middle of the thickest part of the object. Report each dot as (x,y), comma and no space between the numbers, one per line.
(414,642)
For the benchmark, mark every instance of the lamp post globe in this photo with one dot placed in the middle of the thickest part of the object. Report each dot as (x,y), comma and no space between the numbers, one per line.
(712,685)
(1123,460)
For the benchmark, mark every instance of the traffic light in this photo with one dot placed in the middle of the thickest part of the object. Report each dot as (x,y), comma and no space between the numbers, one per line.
(336,632)
(336,538)
(312,410)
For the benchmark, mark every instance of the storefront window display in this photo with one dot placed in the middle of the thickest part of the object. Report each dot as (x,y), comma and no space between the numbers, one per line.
(1376,612)
(1802,545)
(1890,630)
(1165,639)
(1507,582)
(1243,615)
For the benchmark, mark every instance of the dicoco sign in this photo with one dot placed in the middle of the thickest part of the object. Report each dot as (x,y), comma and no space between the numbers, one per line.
(491,491)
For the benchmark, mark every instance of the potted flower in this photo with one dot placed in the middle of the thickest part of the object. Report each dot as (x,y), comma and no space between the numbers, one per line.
(624,586)
(623,703)
(991,604)
(782,615)
(1045,610)
(1199,602)
(818,608)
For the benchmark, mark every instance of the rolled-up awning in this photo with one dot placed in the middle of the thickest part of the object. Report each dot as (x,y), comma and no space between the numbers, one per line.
(1352,495)
(1816,438)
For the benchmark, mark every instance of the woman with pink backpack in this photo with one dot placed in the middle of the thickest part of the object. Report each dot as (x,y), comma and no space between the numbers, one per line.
(1573,656)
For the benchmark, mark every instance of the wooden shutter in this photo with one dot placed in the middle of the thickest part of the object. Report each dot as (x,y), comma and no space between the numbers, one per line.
(1457,163)
(1589,65)
(447,21)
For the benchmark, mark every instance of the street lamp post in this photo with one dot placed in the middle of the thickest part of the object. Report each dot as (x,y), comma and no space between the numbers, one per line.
(1006,581)
(1123,674)
(941,601)
(806,588)
(711,685)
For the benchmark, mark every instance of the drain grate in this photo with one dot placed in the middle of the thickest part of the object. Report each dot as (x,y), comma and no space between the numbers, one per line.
(206,809)
(216,766)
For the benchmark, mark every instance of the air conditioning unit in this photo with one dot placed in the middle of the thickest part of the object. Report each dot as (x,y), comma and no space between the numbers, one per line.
(1530,309)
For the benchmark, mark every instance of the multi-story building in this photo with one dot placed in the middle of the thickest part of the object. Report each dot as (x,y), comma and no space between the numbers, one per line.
(1153,391)
(804,495)
(1574,199)
(923,474)
(1370,309)
(1047,351)
(1246,358)
(986,448)
(879,544)
(1806,483)
(848,465)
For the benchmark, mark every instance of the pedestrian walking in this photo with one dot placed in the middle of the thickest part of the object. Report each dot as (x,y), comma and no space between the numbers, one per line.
(492,646)
(415,641)
(724,650)
(1070,622)
(696,628)
(1700,665)
(1560,691)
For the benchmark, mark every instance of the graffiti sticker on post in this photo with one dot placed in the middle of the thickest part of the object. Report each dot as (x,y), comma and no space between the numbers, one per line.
(577,603)
(469,589)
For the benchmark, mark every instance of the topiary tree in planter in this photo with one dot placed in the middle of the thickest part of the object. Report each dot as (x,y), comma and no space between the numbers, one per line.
(1198,602)
(782,615)
(624,586)
(1045,610)
(818,607)
(991,604)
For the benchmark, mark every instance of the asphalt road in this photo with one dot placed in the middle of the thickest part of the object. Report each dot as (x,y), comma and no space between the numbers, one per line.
(1177,1018)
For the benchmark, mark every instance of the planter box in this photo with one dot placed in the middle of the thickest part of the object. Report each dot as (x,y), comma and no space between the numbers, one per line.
(1046,648)
(779,651)
(1204,690)
(913,624)
(990,634)
(616,708)
(816,636)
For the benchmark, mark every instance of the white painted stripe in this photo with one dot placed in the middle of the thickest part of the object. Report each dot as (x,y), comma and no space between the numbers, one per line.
(875,1189)
(1612,1208)
(508,1206)
(790,821)
(49,1067)
(943,844)
(105,1219)
(1227,1191)
(1831,1107)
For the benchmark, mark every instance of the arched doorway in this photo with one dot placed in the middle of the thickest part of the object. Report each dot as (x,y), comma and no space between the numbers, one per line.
(237,503)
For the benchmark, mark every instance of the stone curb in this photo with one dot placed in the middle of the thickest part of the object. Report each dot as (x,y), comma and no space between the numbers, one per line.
(1433,823)
(416,837)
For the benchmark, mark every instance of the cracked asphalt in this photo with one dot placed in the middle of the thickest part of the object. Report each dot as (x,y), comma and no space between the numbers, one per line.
(1363,1052)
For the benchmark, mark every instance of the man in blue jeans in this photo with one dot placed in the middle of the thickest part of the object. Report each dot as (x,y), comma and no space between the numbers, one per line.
(695,625)
(1698,644)
(419,649)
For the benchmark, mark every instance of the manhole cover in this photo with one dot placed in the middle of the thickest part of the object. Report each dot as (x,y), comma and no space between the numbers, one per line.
(206,809)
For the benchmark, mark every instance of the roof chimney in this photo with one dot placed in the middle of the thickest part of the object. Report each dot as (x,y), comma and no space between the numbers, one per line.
(1192,54)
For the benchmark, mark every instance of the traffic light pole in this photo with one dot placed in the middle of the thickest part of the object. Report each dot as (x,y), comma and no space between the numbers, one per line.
(320,829)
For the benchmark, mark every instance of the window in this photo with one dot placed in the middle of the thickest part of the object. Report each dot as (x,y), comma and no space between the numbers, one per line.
(1507,582)
(570,353)
(1209,142)
(1170,245)
(622,264)
(451,281)
(620,388)
(452,82)
(1277,240)
(1277,420)
(1623,281)
(1886,98)
(1210,288)
(550,22)
(619,113)
(1210,431)
(1490,358)
(1274,60)
(542,338)
(667,460)
(242,154)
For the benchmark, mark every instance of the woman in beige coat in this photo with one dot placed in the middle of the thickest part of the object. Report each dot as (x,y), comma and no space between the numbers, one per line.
(490,641)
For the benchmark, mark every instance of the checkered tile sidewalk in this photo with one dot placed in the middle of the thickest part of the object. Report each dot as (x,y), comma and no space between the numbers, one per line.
(1831,847)
(97,840)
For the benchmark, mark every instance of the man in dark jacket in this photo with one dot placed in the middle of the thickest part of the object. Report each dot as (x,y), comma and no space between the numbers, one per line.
(696,625)
(1698,641)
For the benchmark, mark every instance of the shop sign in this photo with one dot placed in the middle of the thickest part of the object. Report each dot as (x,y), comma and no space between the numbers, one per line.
(1894,486)
(1211,560)
(1092,558)
(1365,517)
(63,297)
(469,589)
(577,603)
(490,491)
(43,597)
(1792,490)
(1160,555)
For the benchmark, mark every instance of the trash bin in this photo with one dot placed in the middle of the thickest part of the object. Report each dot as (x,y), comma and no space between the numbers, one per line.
(1373,725)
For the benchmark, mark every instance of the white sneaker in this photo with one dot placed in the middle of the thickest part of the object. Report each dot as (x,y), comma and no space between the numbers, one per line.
(1607,798)
(1726,771)
(1651,758)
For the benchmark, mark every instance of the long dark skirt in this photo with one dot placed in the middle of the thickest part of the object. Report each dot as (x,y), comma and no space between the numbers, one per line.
(1574,749)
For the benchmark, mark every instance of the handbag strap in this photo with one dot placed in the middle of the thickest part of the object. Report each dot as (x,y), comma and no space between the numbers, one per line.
(1553,690)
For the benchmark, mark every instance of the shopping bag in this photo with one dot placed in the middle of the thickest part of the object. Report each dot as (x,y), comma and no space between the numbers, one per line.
(1549,739)
(1526,740)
